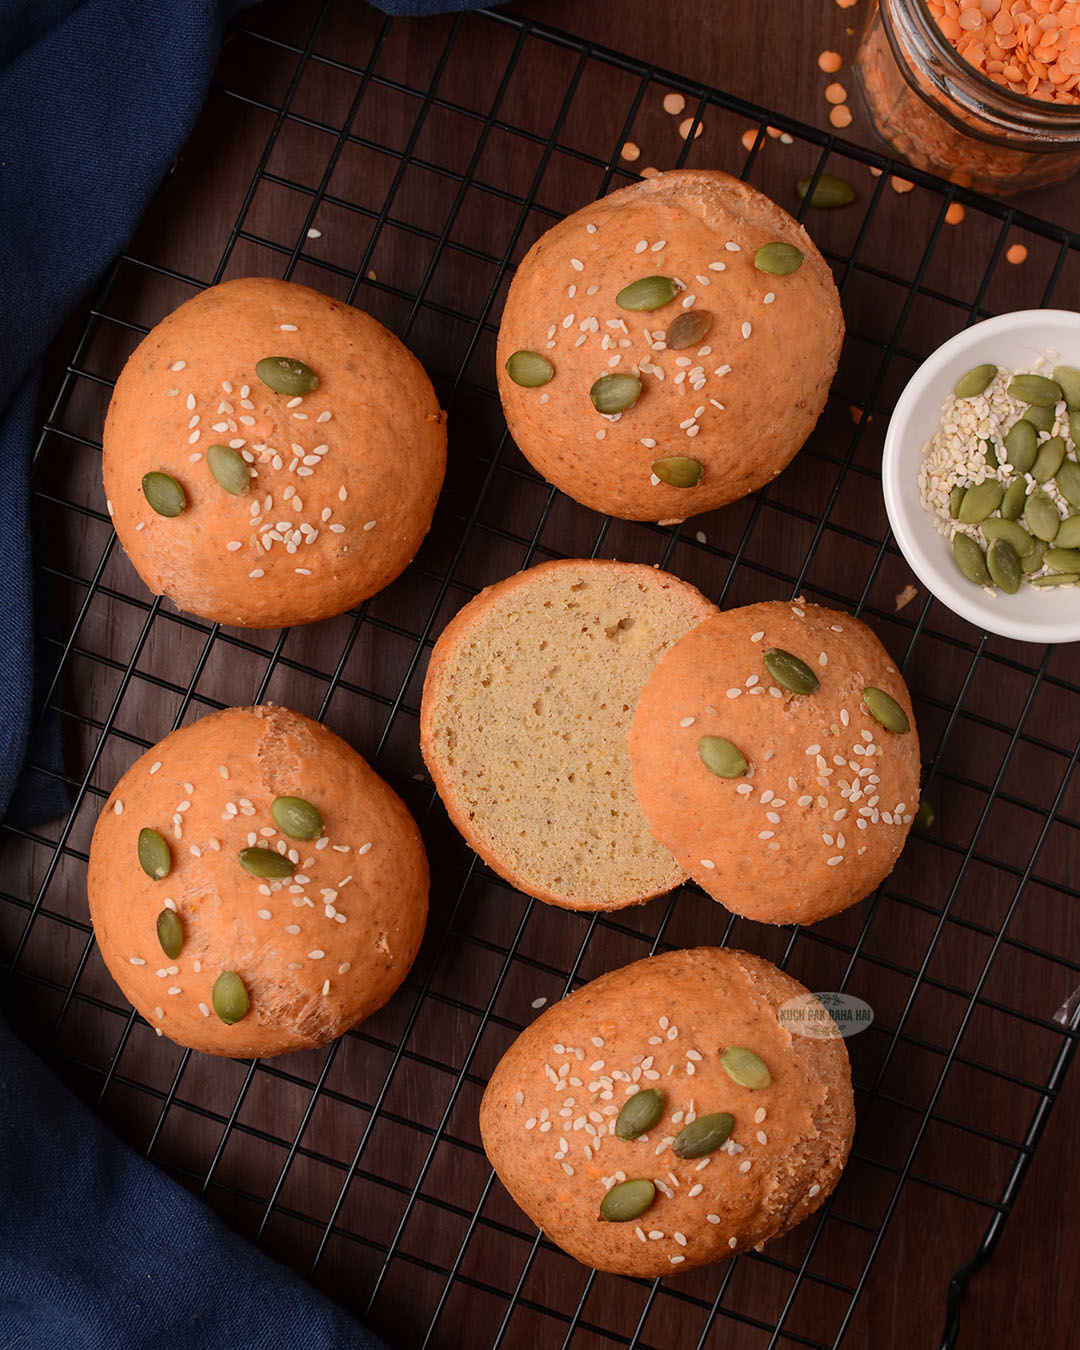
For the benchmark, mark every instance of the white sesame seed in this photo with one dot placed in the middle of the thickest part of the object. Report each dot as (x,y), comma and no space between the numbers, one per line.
(746,329)
(708,864)
(178,365)
(814,1189)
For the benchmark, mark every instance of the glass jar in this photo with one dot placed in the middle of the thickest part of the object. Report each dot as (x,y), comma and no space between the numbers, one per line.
(943,115)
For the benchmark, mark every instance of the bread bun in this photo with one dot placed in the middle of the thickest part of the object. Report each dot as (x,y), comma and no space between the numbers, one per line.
(523,724)
(314,951)
(549,1113)
(341,482)
(737,401)
(822,811)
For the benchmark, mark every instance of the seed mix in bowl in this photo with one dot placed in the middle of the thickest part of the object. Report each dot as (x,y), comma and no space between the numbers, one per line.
(1000,476)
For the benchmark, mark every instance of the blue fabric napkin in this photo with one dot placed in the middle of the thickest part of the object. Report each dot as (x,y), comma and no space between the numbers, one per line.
(98,1249)
(101,1251)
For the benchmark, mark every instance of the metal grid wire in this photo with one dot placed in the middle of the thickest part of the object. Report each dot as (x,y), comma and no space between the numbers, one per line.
(427,166)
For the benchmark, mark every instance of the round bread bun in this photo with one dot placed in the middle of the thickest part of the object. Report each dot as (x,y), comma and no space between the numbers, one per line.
(343,480)
(549,1113)
(316,951)
(739,401)
(523,724)
(820,815)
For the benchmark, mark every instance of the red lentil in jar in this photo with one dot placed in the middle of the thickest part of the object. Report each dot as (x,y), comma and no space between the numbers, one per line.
(984,92)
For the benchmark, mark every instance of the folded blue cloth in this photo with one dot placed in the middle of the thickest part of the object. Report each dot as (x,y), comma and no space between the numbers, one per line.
(101,1251)
(98,1249)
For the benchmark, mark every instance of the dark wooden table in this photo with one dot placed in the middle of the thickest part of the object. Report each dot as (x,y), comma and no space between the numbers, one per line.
(765,53)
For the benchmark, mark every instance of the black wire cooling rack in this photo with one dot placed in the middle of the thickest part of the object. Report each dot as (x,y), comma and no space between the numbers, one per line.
(407,168)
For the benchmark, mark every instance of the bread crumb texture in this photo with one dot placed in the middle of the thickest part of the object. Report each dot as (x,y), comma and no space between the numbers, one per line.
(527,706)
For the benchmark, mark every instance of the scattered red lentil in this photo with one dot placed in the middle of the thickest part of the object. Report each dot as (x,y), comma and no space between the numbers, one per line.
(900,185)
(650,171)
(954,214)
(1029,46)
(1016,254)
(631,151)
(686,124)
(875,172)
(845,4)
(835,93)
(840,116)
(748,138)
(674,104)
(830,62)
(855,413)
(773,133)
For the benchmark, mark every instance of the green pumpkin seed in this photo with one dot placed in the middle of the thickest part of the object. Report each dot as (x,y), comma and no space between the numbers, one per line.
(1068,377)
(1003,565)
(1063,559)
(1035,389)
(264,862)
(789,672)
(627,1200)
(1074,427)
(975,381)
(924,816)
(170,933)
(742,1066)
(981,501)
(155,857)
(1014,535)
(884,708)
(1031,562)
(721,757)
(1058,579)
(956,499)
(1050,458)
(778,259)
(704,1135)
(296,818)
(640,1113)
(677,471)
(647,293)
(615,393)
(1021,440)
(228,469)
(286,375)
(1068,536)
(230,997)
(970,560)
(1042,419)
(990,454)
(529,369)
(1068,481)
(829,191)
(1041,516)
(163,493)
(688,329)
(1012,504)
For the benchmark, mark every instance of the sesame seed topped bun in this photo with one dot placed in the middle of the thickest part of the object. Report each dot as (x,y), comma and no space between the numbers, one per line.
(271,456)
(666,1046)
(255,886)
(774,752)
(654,300)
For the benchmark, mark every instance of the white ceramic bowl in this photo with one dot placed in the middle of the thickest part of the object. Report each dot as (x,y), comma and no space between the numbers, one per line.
(1015,341)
